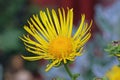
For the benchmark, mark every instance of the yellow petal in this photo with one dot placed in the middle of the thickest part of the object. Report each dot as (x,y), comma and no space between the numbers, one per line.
(51,65)
(32,58)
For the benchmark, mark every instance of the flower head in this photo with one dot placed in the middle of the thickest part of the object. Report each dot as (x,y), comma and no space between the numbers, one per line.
(52,37)
(114,73)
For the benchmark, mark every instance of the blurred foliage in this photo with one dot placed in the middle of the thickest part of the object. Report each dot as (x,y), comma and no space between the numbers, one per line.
(113,48)
(10,22)
(13,16)
(104,78)
(58,78)
(10,12)
(9,39)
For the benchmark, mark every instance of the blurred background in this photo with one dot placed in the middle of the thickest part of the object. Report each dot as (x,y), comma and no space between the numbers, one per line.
(94,63)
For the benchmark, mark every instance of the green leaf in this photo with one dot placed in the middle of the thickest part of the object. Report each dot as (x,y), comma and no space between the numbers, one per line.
(113,48)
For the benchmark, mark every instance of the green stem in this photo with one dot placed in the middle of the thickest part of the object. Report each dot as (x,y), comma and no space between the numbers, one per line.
(68,71)
(119,63)
(72,76)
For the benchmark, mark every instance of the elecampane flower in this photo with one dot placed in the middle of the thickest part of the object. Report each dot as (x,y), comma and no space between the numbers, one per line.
(52,37)
(114,73)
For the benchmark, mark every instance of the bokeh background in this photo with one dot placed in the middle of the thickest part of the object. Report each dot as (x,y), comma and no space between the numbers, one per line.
(94,63)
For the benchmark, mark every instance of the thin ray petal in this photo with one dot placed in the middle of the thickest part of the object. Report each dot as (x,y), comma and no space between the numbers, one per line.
(80,27)
(56,21)
(71,23)
(32,58)
(51,65)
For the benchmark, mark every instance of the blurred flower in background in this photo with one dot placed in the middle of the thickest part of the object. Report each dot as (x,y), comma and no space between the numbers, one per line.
(15,70)
(114,73)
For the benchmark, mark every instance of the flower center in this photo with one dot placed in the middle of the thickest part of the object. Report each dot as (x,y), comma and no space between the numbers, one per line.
(60,47)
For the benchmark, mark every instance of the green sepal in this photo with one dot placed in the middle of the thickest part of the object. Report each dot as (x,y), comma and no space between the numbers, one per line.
(58,78)
(103,78)
(75,76)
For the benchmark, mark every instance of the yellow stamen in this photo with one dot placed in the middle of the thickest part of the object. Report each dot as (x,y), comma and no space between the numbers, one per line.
(60,47)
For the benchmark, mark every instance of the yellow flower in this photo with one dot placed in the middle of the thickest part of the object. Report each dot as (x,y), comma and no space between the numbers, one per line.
(114,73)
(52,37)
